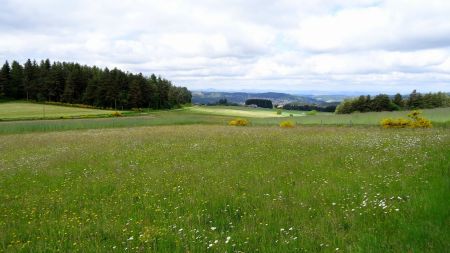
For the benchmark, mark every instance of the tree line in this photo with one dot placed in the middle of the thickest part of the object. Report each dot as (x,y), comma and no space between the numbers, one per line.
(264,103)
(307,107)
(383,102)
(73,83)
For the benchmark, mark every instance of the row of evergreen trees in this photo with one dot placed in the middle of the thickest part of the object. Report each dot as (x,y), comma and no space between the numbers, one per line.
(76,84)
(383,102)
(305,107)
(264,103)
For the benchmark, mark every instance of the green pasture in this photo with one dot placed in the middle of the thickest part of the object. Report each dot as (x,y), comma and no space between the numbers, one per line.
(213,115)
(241,111)
(217,188)
(25,110)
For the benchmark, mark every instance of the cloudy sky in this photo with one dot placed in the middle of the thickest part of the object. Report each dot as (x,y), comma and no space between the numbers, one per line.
(283,45)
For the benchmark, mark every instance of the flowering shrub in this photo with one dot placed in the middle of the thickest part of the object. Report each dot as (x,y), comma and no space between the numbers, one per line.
(415,121)
(395,123)
(238,122)
(116,114)
(287,124)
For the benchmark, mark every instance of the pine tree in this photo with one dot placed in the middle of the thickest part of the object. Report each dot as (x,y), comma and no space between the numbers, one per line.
(56,82)
(73,83)
(68,93)
(135,95)
(90,95)
(5,81)
(398,100)
(415,100)
(17,89)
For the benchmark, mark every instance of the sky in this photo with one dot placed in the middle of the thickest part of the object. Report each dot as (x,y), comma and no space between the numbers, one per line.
(296,46)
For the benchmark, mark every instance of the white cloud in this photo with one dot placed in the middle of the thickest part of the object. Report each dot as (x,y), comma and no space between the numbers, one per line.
(273,45)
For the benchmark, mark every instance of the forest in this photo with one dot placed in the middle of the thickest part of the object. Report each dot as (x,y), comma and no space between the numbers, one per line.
(73,83)
(383,102)
(263,103)
(330,107)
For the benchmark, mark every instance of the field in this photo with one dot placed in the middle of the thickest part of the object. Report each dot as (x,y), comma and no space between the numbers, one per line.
(24,110)
(238,111)
(212,116)
(225,188)
(184,181)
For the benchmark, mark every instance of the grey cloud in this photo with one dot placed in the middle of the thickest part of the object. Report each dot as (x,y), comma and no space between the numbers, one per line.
(248,44)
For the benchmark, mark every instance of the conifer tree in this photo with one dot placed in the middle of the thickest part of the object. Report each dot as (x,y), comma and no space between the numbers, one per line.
(5,80)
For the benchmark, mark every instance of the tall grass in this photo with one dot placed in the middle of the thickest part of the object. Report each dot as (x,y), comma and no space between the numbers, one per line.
(225,189)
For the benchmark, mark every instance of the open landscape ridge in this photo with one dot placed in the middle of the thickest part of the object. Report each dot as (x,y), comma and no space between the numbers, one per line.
(225,126)
(318,187)
(29,117)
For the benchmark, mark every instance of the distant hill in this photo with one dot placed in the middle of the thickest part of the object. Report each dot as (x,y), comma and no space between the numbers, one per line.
(210,97)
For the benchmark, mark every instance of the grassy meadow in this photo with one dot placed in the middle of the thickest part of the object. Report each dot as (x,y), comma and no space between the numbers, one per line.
(25,110)
(184,181)
(241,111)
(210,115)
(226,189)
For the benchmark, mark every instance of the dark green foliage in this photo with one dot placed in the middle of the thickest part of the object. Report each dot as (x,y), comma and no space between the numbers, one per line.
(73,83)
(224,101)
(434,100)
(5,80)
(382,102)
(306,107)
(398,100)
(415,100)
(264,103)
(69,90)
(16,89)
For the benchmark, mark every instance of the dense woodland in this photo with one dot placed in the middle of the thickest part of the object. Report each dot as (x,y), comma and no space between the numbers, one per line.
(77,84)
(383,102)
(264,103)
(306,107)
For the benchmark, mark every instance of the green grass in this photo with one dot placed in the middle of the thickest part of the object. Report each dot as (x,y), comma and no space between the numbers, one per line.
(373,118)
(25,110)
(186,116)
(240,111)
(189,188)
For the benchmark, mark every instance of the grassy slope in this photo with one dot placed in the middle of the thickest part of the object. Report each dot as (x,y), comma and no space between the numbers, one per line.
(24,110)
(210,116)
(268,189)
(240,111)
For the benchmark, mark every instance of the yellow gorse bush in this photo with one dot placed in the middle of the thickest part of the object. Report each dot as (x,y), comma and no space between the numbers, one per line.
(239,122)
(415,121)
(287,124)
(116,114)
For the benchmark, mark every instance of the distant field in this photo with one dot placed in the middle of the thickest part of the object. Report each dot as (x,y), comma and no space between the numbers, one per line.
(240,111)
(438,115)
(209,188)
(24,110)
